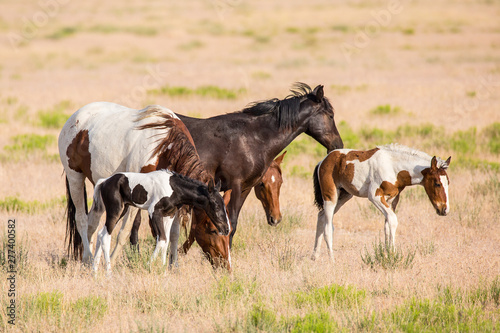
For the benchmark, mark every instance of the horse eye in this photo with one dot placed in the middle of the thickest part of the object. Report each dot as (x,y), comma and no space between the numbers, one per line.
(437,184)
(213,232)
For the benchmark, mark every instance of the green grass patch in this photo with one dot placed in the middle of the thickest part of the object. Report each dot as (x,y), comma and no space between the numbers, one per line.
(492,136)
(385,110)
(387,257)
(470,163)
(55,117)
(228,288)
(50,308)
(137,30)
(29,143)
(63,33)
(340,297)
(319,322)
(464,142)
(209,91)
(192,45)
(349,137)
(13,204)
(432,315)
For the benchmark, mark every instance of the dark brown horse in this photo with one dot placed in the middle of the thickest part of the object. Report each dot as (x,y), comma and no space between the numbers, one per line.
(237,148)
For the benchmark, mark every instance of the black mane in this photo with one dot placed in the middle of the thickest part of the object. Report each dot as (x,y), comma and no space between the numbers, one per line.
(284,110)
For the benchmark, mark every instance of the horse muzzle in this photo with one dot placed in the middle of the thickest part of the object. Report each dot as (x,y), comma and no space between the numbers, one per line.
(442,211)
(273,221)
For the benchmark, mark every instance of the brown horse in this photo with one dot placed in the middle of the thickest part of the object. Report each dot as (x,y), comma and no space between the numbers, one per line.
(268,191)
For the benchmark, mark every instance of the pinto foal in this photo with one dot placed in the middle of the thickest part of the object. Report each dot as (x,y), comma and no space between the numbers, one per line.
(379,174)
(161,193)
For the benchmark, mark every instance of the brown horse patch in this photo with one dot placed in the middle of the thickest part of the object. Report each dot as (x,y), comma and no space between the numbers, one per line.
(79,155)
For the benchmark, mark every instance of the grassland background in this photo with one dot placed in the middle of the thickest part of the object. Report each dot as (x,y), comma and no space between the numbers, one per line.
(428,77)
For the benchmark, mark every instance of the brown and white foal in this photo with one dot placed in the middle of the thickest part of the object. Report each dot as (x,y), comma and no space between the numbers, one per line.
(379,174)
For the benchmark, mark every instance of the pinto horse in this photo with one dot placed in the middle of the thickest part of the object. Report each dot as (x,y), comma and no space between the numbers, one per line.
(161,193)
(237,148)
(379,174)
(101,139)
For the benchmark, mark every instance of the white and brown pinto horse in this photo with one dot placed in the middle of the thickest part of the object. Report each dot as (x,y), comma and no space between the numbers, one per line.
(101,139)
(379,174)
(161,193)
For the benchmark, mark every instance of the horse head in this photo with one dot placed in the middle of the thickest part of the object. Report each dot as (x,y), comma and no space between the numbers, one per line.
(268,191)
(436,183)
(321,123)
(216,209)
(214,245)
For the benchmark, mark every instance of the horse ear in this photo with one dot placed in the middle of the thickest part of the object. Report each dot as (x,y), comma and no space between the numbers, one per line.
(319,93)
(211,185)
(218,185)
(434,163)
(227,197)
(446,163)
(279,159)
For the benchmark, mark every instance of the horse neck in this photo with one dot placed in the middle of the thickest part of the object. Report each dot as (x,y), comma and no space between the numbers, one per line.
(276,138)
(414,165)
(185,190)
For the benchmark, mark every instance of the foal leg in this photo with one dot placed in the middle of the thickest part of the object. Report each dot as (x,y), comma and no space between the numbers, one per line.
(94,218)
(174,240)
(391,220)
(320,230)
(163,226)
(329,209)
(123,235)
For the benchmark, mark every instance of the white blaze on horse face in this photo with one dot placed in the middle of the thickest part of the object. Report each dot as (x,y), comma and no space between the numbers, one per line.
(444,181)
(273,179)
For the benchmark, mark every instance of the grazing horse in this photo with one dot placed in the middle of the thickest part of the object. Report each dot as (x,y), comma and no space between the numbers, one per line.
(267,191)
(379,174)
(101,139)
(161,193)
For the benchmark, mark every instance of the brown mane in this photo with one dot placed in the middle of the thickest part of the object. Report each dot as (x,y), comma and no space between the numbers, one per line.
(175,149)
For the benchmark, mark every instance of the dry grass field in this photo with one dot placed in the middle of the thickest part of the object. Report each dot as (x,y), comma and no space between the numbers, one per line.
(421,73)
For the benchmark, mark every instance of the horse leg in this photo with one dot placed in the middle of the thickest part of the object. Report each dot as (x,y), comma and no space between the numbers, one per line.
(329,208)
(134,234)
(114,211)
(391,220)
(94,218)
(174,240)
(162,225)
(321,225)
(320,230)
(98,248)
(123,235)
(77,191)
(234,208)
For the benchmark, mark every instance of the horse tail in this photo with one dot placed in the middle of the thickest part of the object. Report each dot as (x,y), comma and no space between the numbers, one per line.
(318,197)
(75,245)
